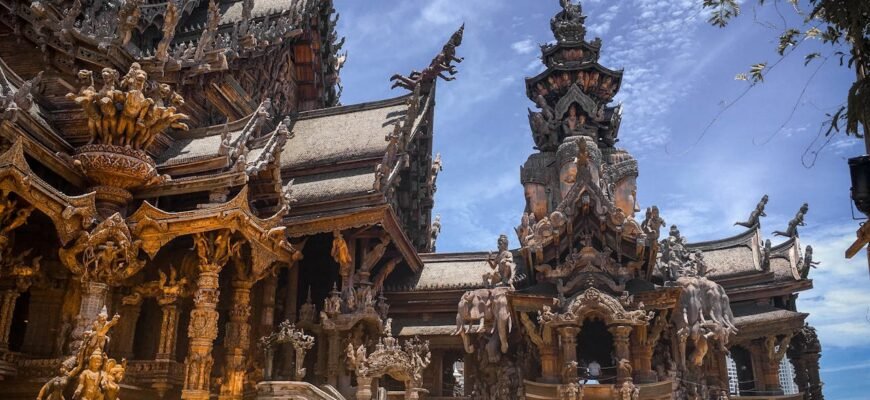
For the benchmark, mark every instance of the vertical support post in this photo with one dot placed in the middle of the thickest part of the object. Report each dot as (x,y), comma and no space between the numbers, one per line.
(568,344)
(333,355)
(168,330)
(237,340)
(363,388)
(126,330)
(621,349)
(202,332)
(7,308)
(93,300)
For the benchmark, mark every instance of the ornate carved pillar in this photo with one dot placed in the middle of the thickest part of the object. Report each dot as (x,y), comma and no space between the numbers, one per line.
(202,332)
(213,250)
(237,340)
(7,308)
(568,345)
(774,350)
(621,350)
(168,330)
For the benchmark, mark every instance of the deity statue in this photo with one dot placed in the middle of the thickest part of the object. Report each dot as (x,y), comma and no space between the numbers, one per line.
(756,214)
(798,220)
(89,380)
(434,232)
(113,373)
(806,263)
(502,264)
(53,389)
(573,123)
(99,331)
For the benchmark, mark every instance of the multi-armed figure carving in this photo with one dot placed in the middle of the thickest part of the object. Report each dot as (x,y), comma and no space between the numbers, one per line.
(126,116)
(442,63)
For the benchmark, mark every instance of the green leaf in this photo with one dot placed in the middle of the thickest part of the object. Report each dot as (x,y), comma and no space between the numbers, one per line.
(787,39)
(757,72)
(811,57)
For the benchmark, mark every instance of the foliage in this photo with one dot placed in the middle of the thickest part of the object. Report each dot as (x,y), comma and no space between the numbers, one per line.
(834,22)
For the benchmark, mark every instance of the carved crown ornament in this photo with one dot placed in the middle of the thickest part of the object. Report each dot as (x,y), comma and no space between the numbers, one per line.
(404,362)
(594,303)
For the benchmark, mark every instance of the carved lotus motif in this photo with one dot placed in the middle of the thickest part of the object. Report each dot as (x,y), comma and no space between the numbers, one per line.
(116,166)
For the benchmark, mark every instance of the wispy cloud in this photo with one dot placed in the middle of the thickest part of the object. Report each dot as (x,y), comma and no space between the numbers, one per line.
(524,46)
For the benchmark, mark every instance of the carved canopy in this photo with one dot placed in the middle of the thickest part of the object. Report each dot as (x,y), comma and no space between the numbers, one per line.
(155,227)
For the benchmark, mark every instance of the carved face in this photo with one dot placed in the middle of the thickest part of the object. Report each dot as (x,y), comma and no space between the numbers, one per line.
(536,198)
(108,75)
(625,195)
(95,362)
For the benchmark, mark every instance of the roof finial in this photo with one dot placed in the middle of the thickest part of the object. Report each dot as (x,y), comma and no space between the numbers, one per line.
(567,25)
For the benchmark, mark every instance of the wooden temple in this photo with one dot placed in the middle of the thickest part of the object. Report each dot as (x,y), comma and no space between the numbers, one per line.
(188,212)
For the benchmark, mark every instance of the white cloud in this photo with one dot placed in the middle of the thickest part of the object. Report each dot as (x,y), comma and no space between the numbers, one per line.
(839,304)
(525,46)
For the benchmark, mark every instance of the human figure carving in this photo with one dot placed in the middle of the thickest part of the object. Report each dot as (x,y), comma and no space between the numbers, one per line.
(807,262)
(502,264)
(756,214)
(798,220)
(89,380)
(53,389)
(170,20)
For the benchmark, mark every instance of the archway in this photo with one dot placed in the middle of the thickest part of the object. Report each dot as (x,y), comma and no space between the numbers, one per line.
(595,343)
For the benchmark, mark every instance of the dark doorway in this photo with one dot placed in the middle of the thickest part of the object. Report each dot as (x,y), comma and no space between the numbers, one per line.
(743,364)
(595,343)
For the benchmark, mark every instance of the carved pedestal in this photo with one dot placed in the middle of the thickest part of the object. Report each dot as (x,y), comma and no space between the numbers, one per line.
(237,341)
(364,388)
(202,332)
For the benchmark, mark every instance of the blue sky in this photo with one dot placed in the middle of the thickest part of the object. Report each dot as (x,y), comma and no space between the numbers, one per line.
(679,74)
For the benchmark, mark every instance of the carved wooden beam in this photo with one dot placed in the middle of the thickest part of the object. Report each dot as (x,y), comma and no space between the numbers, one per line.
(268,243)
(69,214)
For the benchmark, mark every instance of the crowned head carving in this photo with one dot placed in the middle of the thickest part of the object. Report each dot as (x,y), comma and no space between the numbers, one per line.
(567,25)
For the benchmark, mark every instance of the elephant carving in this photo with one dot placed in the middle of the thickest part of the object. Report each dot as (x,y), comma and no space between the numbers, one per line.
(487,307)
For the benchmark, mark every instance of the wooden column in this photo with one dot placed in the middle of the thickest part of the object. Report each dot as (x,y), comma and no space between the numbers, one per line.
(332,368)
(642,345)
(125,332)
(202,332)
(93,300)
(43,318)
(437,366)
(7,308)
(237,340)
(168,330)
(568,345)
(621,349)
